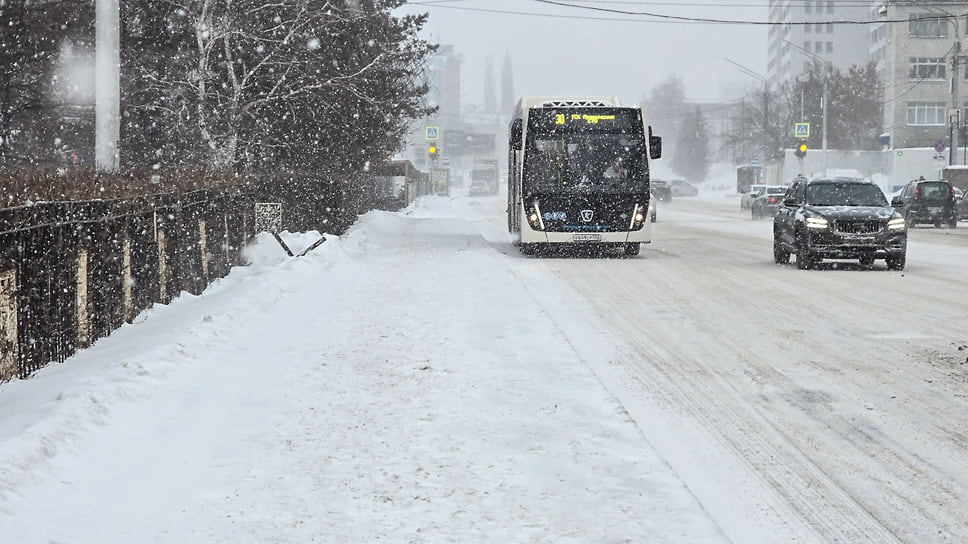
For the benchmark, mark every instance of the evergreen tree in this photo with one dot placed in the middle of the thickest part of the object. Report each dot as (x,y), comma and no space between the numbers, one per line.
(854,109)
(692,159)
(490,94)
(508,99)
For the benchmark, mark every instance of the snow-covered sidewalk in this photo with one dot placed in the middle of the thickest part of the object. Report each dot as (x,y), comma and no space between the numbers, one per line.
(398,384)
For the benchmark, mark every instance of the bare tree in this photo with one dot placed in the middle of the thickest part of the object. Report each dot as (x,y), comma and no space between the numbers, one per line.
(255,82)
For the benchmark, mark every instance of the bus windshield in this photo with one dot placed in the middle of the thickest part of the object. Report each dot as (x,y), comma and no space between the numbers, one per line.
(585,162)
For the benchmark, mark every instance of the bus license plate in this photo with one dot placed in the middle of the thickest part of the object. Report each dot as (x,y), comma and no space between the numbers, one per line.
(587,238)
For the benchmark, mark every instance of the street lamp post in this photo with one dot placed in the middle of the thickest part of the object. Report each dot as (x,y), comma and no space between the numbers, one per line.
(955,59)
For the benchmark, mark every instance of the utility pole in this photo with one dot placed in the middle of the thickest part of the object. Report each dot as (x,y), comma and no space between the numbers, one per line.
(955,99)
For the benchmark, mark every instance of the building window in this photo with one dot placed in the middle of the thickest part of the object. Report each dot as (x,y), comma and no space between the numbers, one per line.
(926,113)
(830,28)
(830,47)
(806,6)
(817,47)
(924,26)
(806,46)
(818,28)
(807,28)
(830,6)
(926,68)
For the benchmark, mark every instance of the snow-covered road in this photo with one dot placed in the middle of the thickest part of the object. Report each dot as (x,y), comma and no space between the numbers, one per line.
(417,380)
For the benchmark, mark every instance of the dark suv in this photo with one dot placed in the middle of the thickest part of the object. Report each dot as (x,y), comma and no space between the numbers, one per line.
(927,201)
(838,218)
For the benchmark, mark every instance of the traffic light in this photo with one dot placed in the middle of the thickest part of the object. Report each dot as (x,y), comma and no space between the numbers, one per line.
(801,150)
(432,152)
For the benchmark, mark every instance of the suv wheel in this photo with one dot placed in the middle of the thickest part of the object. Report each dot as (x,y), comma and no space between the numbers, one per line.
(896,262)
(780,255)
(867,260)
(804,257)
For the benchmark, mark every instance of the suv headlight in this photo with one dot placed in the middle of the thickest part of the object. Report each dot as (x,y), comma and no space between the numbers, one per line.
(817,223)
(896,223)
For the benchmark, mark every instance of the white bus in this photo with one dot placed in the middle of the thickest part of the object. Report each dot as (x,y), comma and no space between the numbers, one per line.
(578,173)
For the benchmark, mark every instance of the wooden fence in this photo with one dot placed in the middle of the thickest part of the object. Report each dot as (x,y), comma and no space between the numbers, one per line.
(73,272)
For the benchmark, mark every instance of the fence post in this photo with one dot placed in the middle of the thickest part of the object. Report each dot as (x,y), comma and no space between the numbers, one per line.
(9,361)
(203,248)
(127,304)
(80,302)
(163,273)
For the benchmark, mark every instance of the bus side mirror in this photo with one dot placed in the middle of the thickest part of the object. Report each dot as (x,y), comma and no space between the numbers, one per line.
(655,146)
(516,134)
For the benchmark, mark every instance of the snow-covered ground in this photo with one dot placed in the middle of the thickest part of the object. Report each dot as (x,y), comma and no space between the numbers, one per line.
(417,380)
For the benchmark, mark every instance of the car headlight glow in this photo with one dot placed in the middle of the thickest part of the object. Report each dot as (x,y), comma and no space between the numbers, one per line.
(638,217)
(534,217)
(817,223)
(896,223)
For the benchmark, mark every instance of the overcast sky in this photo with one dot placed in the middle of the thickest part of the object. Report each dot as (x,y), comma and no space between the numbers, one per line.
(570,50)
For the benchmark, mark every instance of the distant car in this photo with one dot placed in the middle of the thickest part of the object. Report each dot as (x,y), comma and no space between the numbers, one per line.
(767,203)
(746,202)
(652,208)
(838,218)
(681,187)
(661,190)
(927,201)
(962,207)
(747,199)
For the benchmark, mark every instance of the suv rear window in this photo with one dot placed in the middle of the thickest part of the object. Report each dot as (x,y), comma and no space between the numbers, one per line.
(934,190)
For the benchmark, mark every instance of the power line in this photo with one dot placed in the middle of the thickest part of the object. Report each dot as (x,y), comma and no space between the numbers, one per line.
(654,17)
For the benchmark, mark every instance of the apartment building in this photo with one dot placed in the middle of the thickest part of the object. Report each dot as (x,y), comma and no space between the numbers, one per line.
(803,31)
(916,48)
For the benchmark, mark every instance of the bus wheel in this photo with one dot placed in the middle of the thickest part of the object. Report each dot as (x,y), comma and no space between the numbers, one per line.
(632,249)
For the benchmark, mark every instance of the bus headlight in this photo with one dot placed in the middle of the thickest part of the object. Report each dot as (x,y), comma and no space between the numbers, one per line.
(534,217)
(638,217)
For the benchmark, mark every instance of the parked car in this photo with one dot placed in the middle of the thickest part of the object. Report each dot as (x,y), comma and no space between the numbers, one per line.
(681,187)
(927,201)
(838,218)
(961,206)
(662,190)
(746,201)
(767,203)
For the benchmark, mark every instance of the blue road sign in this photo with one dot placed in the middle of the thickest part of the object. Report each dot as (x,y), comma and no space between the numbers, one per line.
(801,130)
(432,134)
(939,145)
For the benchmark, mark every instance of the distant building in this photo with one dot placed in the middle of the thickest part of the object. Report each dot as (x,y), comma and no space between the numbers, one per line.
(802,31)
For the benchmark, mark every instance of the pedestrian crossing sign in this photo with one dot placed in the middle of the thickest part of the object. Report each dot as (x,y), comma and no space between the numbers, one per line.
(432,134)
(802,130)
